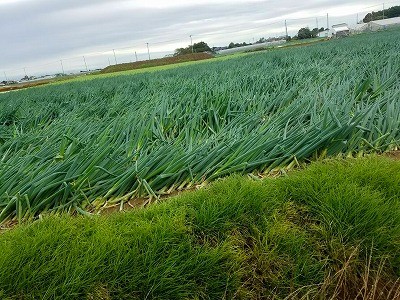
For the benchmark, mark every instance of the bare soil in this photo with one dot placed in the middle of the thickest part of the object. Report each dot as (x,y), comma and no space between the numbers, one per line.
(393,154)
(157,62)
(24,85)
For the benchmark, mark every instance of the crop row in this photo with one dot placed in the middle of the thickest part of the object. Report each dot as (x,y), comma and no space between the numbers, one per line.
(76,146)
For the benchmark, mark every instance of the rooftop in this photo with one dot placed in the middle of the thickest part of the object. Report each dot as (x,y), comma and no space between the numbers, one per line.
(385,22)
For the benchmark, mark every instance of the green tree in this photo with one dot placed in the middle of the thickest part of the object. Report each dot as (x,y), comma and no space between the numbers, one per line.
(314,32)
(182,51)
(261,40)
(304,33)
(197,48)
(391,12)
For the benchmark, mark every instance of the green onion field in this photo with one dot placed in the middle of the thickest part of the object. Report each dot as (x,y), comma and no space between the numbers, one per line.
(287,157)
(76,146)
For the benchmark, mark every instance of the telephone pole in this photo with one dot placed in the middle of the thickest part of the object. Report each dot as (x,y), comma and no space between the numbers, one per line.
(62,66)
(5,75)
(327,21)
(286,29)
(327,25)
(148,50)
(84,60)
(191,42)
(136,56)
(115,57)
(383,11)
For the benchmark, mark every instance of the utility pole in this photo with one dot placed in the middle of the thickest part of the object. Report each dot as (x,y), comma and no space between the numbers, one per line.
(286,29)
(5,75)
(148,50)
(25,72)
(191,42)
(383,11)
(357,19)
(62,66)
(316,20)
(84,60)
(327,23)
(136,56)
(115,57)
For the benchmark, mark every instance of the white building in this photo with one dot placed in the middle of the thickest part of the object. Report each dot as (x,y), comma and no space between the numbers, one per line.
(340,30)
(251,47)
(326,33)
(383,24)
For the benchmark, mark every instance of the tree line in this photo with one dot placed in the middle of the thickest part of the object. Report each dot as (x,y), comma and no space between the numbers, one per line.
(391,12)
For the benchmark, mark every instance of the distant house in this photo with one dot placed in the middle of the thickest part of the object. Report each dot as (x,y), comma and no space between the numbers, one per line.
(340,30)
(326,33)
(383,24)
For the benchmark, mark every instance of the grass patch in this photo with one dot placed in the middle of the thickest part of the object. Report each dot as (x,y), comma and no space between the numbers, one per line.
(332,230)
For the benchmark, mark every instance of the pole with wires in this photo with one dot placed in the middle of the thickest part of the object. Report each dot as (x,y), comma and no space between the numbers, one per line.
(148,50)
(286,30)
(84,60)
(115,57)
(327,24)
(62,66)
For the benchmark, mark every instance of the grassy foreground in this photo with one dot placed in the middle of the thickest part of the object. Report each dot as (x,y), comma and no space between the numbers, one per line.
(331,230)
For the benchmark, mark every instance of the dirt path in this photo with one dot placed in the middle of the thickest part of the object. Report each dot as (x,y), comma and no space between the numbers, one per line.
(393,154)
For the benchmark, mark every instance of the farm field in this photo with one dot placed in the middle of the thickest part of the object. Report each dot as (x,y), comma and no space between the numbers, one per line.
(331,231)
(156,62)
(79,146)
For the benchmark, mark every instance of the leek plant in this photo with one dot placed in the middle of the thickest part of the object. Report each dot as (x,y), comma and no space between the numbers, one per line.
(77,146)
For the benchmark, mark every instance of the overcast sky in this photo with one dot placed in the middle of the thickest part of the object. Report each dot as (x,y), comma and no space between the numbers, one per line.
(37,34)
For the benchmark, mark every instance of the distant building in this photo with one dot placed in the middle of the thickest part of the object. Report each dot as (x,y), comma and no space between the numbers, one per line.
(340,30)
(359,28)
(375,25)
(383,24)
(325,34)
(253,47)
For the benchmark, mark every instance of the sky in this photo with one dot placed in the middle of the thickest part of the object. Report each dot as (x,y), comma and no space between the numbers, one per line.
(54,36)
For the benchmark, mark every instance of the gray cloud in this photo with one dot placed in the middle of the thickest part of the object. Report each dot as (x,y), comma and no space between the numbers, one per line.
(34,32)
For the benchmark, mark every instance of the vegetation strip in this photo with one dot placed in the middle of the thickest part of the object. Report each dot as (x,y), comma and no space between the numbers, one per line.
(331,231)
